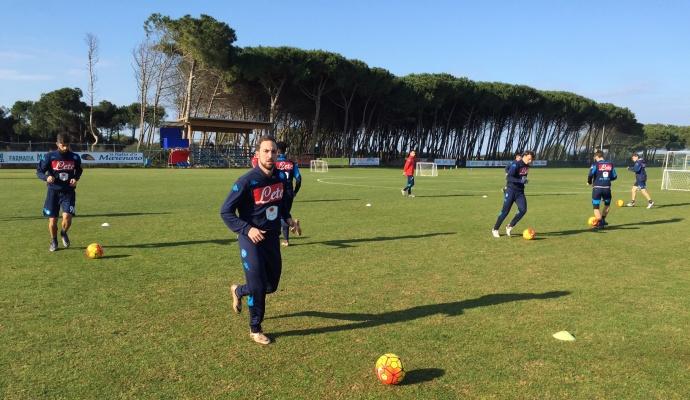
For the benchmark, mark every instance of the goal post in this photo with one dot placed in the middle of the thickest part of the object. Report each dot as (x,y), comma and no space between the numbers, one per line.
(676,171)
(426,169)
(318,166)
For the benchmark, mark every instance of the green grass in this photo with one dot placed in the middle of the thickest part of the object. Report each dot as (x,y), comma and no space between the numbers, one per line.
(471,316)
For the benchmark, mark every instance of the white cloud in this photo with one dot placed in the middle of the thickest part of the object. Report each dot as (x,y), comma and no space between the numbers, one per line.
(9,55)
(14,75)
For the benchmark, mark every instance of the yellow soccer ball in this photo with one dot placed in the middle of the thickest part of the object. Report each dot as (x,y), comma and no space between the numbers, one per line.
(592,222)
(620,203)
(94,250)
(389,369)
(529,234)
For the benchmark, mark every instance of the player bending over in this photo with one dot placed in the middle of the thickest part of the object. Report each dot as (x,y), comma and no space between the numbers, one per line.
(601,174)
(640,180)
(61,170)
(515,193)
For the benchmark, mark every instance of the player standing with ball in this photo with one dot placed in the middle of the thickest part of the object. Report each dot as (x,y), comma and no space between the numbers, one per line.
(253,210)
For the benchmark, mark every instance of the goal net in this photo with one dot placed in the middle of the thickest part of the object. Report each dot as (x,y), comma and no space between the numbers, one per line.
(426,169)
(676,171)
(318,166)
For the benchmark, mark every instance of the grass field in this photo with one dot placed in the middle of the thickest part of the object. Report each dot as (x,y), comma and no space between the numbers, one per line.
(471,316)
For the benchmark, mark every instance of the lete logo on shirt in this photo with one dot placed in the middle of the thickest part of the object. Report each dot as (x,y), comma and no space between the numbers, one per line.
(62,165)
(605,167)
(268,194)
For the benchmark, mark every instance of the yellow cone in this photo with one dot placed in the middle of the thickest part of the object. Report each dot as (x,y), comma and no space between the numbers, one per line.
(564,335)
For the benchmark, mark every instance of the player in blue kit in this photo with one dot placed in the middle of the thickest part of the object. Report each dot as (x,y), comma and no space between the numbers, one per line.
(290,171)
(253,209)
(515,193)
(61,171)
(639,168)
(516,157)
(601,174)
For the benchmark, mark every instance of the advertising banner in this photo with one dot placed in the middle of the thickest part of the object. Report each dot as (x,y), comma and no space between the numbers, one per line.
(29,157)
(364,161)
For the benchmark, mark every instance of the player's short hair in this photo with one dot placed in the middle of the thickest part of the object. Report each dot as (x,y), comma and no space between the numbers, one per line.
(282,147)
(264,139)
(517,153)
(63,138)
(599,153)
(528,153)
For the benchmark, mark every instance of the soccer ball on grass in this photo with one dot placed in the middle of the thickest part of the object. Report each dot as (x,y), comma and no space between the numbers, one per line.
(529,234)
(94,250)
(389,369)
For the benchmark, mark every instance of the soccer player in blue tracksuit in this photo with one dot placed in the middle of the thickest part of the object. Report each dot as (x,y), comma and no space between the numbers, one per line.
(289,171)
(517,157)
(639,168)
(601,174)
(61,171)
(517,179)
(253,209)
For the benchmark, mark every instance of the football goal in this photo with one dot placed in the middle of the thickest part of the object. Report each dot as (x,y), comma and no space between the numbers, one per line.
(426,169)
(676,171)
(318,166)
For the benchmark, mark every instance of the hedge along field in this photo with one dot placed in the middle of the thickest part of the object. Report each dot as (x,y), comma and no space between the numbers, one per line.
(471,316)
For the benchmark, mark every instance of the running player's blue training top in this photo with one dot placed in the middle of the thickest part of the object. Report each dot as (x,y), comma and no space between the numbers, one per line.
(256,200)
(601,173)
(517,175)
(61,166)
(290,170)
(639,169)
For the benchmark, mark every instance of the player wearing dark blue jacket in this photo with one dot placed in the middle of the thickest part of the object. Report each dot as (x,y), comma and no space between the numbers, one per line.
(601,174)
(517,157)
(253,210)
(640,170)
(515,193)
(61,171)
(289,171)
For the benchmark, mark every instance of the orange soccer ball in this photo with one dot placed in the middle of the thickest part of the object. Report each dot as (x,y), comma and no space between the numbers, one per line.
(389,369)
(94,250)
(620,203)
(529,233)
(592,222)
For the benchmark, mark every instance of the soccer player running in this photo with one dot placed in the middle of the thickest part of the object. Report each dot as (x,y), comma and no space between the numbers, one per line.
(289,171)
(518,157)
(517,179)
(253,209)
(408,171)
(601,174)
(61,171)
(640,180)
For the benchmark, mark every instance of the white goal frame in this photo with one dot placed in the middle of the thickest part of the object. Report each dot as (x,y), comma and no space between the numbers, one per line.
(431,171)
(676,171)
(318,166)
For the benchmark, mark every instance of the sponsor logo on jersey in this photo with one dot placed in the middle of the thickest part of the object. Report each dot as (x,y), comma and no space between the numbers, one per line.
(524,171)
(605,167)
(268,194)
(285,165)
(62,165)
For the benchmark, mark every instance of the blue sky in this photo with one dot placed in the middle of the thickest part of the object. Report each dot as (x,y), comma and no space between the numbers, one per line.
(634,54)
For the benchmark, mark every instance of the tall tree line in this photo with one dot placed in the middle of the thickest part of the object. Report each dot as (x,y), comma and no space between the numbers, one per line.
(324,103)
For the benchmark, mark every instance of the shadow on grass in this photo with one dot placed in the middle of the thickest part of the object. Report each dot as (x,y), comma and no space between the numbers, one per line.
(116,256)
(632,225)
(671,205)
(422,375)
(169,244)
(346,243)
(363,321)
(112,215)
(324,200)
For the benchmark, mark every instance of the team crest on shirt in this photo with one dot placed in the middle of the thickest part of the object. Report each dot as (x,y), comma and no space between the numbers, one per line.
(272,213)
(268,194)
